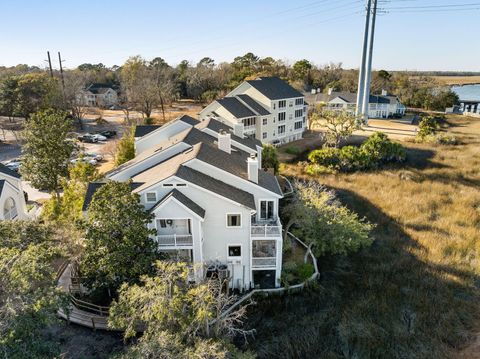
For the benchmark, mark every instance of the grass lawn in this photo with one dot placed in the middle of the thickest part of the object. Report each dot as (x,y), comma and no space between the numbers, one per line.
(415,292)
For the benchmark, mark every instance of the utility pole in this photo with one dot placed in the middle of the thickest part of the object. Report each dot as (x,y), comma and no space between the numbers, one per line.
(368,75)
(50,63)
(361,74)
(61,74)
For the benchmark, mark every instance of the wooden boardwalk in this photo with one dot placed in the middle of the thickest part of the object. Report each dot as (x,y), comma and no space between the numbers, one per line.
(73,314)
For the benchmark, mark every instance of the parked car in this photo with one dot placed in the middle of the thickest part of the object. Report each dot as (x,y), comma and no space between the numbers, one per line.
(87,138)
(99,137)
(108,133)
(95,156)
(14,164)
(90,160)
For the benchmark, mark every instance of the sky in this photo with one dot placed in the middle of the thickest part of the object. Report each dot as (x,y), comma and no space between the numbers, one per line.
(442,37)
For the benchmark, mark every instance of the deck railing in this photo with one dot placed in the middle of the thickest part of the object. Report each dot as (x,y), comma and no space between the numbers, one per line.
(175,240)
(266,230)
(259,262)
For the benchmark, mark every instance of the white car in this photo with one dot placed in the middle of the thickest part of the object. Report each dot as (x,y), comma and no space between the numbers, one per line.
(99,137)
(95,156)
(90,160)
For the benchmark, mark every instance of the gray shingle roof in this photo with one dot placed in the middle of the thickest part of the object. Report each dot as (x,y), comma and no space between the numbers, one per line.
(93,187)
(254,105)
(187,202)
(2,182)
(351,97)
(274,88)
(188,119)
(225,190)
(143,130)
(236,107)
(217,126)
(4,169)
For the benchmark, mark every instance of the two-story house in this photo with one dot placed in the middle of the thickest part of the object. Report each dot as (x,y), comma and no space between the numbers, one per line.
(12,198)
(267,109)
(213,205)
(100,95)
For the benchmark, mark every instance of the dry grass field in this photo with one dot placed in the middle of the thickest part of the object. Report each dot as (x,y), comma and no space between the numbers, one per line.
(416,292)
(458,80)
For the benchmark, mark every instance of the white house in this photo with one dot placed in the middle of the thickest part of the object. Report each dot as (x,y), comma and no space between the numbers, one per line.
(214,206)
(99,95)
(267,109)
(12,198)
(380,106)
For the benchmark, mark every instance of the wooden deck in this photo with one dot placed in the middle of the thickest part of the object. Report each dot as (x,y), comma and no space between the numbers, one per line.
(73,314)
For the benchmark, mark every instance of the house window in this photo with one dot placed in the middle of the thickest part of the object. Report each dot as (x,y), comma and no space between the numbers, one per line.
(274,106)
(264,121)
(266,209)
(247,122)
(281,130)
(299,101)
(181,185)
(234,220)
(298,125)
(151,197)
(264,135)
(234,251)
(282,116)
(167,185)
(299,113)
(162,223)
(290,103)
(282,104)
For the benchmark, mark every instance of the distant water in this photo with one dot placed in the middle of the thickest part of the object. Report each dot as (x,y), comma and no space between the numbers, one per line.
(468,92)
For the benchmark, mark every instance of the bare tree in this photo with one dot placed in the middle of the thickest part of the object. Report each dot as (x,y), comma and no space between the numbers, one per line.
(75,83)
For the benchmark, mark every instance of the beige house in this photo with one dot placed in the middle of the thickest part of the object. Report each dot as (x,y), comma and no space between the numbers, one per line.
(99,95)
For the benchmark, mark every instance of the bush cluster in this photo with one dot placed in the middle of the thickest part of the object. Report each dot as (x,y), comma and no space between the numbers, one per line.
(429,125)
(373,153)
(294,273)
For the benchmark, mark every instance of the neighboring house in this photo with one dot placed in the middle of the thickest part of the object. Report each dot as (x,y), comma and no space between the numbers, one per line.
(380,106)
(267,109)
(12,198)
(214,206)
(99,95)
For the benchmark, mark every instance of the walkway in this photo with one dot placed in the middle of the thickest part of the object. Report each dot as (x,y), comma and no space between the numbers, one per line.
(76,315)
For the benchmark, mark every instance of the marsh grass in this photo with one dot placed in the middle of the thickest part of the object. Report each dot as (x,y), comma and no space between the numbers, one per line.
(415,293)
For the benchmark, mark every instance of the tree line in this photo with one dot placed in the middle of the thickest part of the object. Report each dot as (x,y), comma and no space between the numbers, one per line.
(144,85)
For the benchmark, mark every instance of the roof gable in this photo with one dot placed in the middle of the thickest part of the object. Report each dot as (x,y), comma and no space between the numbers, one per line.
(7,171)
(236,107)
(183,200)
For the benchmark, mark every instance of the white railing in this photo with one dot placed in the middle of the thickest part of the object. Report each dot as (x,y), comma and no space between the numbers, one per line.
(175,240)
(12,214)
(265,231)
(264,262)
(249,130)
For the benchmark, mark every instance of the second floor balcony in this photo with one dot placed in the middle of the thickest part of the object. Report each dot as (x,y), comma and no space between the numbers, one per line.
(265,228)
(175,240)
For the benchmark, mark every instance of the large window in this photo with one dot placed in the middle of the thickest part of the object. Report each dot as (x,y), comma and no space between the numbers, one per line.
(234,220)
(9,209)
(282,116)
(282,104)
(248,122)
(298,125)
(281,130)
(299,101)
(298,113)
(263,249)
(267,209)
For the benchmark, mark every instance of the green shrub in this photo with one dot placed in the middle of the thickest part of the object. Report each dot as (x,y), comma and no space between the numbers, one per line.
(327,156)
(292,150)
(305,271)
(294,273)
(352,158)
(446,140)
(148,121)
(429,125)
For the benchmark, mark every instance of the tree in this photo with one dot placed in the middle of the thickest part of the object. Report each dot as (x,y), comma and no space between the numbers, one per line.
(301,71)
(126,147)
(36,92)
(315,114)
(9,96)
(118,243)
(340,125)
(165,306)
(320,220)
(270,158)
(29,297)
(47,149)
(69,208)
(75,83)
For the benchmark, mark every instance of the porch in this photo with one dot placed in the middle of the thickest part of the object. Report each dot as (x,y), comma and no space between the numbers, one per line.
(174,233)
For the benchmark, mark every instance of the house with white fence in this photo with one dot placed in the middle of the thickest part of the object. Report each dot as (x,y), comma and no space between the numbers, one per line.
(12,198)
(213,205)
(267,109)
